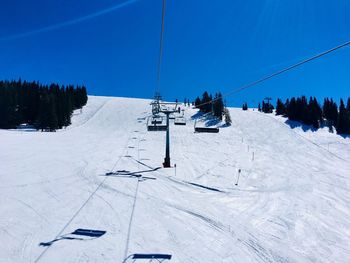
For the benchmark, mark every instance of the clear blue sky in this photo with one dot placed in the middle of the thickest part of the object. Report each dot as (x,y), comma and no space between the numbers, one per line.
(112,47)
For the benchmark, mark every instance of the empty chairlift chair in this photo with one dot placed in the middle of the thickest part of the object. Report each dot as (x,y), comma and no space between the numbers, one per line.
(156,123)
(180,121)
(205,129)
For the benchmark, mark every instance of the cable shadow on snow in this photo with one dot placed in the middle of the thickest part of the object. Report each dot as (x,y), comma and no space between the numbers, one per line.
(129,174)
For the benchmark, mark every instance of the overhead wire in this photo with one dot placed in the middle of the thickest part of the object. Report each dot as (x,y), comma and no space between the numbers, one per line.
(254,83)
(161,44)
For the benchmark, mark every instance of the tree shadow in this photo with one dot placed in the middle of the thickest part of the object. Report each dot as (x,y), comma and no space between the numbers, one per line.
(305,128)
(225,125)
(296,124)
(345,136)
(206,119)
(211,122)
(197,115)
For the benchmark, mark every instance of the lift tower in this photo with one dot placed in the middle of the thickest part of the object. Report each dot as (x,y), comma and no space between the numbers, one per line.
(167,112)
(156,104)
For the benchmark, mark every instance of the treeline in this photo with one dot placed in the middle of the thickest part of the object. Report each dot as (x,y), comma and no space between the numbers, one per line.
(215,105)
(310,112)
(210,104)
(46,107)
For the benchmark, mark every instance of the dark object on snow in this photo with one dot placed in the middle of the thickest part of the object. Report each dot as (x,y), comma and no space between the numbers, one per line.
(156,124)
(78,232)
(157,128)
(151,256)
(206,129)
(180,121)
(88,232)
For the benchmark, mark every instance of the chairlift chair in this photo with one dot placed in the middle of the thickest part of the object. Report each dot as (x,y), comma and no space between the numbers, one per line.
(180,121)
(205,129)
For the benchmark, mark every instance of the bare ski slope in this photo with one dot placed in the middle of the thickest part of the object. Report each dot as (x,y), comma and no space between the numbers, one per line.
(292,202)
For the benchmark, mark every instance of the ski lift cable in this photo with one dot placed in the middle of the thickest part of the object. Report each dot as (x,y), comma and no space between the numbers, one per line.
(263,79)
(161,44)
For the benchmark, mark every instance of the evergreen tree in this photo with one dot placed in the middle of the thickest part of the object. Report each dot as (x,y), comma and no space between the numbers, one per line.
(291,109)
(343,122)
(197,102)
(314,113)
(218,106)
(330,113)
(280,108)
(46,107)
(302,111)
(267,107)
(52,114)
(206,105)
(43,116)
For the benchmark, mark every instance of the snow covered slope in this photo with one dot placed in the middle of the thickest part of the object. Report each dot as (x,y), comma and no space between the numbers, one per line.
(291,204)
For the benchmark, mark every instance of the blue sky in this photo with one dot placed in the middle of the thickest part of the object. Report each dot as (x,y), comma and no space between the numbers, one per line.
(111,46)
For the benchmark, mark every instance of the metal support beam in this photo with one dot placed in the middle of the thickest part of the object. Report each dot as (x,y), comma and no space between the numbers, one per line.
(166,163)
(167,112)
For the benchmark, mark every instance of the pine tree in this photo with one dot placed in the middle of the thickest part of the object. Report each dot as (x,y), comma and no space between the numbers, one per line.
(267,107)
(291,109)
(330,113)
(53,119)
(27,102)
(43,117)
(197,102)
(206,105)
(280,108)
(218,106)
(314,113)
(343,122)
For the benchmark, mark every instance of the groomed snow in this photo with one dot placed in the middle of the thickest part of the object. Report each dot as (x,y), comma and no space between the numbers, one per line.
(292,202)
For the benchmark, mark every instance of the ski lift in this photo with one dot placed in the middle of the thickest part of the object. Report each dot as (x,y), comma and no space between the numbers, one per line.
(180,121)
(205,129)
(156,124)
(172,116)
(157,120)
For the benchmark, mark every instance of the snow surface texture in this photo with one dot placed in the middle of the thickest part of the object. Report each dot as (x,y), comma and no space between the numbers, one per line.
(291,204)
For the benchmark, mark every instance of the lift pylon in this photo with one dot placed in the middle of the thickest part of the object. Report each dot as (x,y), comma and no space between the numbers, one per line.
(167,112)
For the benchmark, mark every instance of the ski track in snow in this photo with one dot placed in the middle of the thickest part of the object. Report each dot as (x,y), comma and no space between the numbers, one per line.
(292,202)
